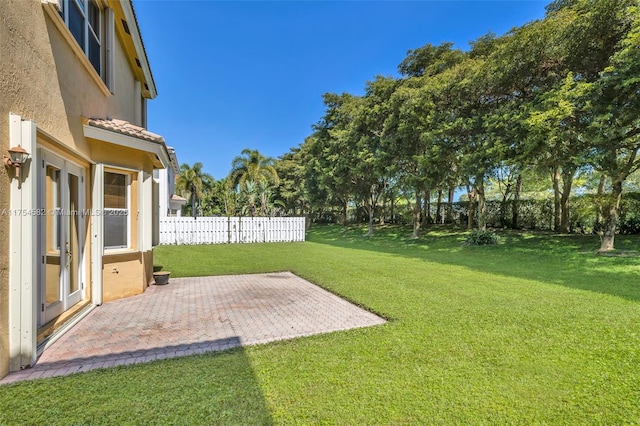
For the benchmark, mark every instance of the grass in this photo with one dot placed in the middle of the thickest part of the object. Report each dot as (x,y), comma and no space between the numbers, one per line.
(534,330)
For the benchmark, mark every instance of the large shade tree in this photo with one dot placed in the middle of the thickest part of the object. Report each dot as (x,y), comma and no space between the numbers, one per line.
(612,100)
(292,192)
(369,172)
(414,150)
(557,96)
(332,157)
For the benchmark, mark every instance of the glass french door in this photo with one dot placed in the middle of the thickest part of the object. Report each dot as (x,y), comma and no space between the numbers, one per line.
(62,229)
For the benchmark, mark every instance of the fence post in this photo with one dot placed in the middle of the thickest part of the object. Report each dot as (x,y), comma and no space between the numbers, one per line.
(175,232)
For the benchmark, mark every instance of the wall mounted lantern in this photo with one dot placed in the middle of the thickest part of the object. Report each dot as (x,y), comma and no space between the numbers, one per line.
(17,157)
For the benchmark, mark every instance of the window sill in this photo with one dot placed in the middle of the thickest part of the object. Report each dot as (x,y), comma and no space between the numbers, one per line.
(117,252)
(66,34)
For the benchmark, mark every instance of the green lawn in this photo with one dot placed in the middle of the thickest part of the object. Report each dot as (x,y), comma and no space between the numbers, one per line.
(534,330)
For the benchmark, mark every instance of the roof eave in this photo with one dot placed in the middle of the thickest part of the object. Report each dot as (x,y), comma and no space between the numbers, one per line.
(158,149)
(135,36)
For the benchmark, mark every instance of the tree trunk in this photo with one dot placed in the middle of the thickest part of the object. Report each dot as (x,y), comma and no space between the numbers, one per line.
(392,217)
(427,208)
(482,205)
(504,203)
(439,216)
(599,215)
(503,210)
(515,207)
(370,208)
(450,196)
(417,208)
(471,211)
(382,211)
(611,210)
(567,182)
(556,199)
(345,213)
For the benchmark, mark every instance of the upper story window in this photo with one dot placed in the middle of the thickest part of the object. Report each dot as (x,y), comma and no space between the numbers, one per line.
(92,28)
(84,20)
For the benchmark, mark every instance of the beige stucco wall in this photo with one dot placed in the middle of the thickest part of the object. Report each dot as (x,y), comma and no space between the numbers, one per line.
(121,274)
(126,274)
(43,79)
(125,87)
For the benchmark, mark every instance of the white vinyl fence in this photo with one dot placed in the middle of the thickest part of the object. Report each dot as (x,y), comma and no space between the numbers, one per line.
(223,230)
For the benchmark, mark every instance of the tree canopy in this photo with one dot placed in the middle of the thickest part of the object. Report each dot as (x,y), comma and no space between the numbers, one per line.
(557,98)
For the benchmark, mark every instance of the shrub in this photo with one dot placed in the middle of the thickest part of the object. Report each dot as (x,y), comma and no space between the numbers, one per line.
(479,237)
(630,214)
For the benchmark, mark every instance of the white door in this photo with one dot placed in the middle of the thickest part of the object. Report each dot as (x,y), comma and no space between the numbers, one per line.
(62,229)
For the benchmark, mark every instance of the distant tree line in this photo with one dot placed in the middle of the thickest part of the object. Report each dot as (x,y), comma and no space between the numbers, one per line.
(549,110)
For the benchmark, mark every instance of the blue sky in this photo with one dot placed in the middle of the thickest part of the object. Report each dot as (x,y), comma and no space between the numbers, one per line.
(242,74)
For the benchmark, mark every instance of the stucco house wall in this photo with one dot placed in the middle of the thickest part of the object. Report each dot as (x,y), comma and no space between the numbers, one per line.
(47,81)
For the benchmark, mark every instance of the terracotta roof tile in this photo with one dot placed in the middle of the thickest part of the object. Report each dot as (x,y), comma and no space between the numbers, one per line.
(125,128)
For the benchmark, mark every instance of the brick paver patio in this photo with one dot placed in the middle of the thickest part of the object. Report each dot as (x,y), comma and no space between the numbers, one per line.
(197,315)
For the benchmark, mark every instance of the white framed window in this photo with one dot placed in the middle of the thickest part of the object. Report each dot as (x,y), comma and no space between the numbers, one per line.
(52,182)
(92,27)
(117,209)
(84,20)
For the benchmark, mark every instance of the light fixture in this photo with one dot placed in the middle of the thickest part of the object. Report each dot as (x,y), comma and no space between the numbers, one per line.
(17,157)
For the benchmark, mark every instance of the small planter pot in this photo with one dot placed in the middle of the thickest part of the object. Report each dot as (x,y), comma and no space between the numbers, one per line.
(161,278)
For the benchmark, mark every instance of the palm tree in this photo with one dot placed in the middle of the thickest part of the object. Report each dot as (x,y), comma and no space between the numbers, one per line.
(193,183)
(268,207)
(248,195)
(226,195)
(264,192)
(252,166)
